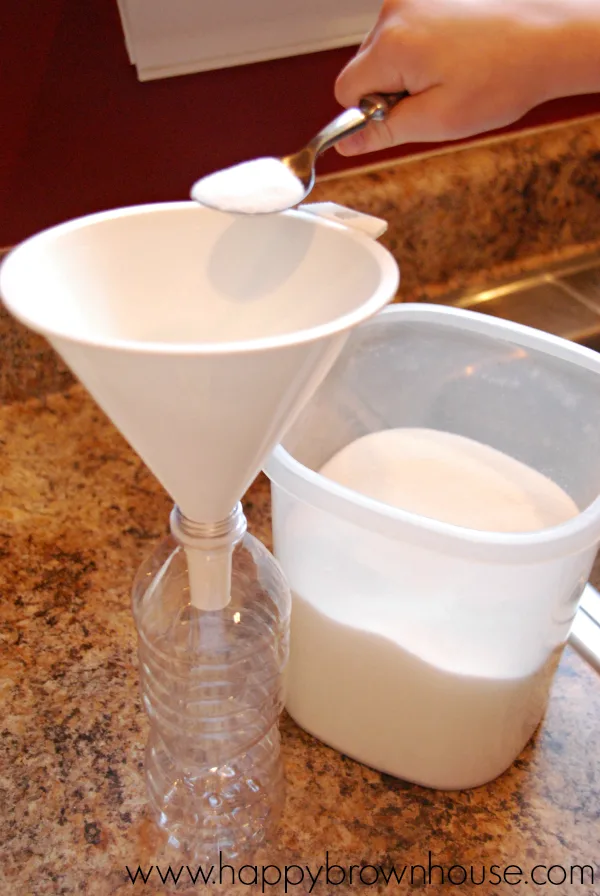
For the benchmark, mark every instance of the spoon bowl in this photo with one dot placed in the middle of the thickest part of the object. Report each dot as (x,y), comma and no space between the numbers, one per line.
(269,185)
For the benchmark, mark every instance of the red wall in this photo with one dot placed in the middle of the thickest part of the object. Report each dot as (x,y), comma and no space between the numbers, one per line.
(80,133)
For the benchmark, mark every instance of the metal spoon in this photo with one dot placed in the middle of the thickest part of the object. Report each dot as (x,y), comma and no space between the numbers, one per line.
(267,185)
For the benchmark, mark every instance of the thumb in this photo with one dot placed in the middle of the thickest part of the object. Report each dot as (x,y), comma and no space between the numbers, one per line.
(423,118)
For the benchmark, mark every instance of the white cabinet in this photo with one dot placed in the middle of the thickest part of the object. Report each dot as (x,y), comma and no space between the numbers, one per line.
(176,37)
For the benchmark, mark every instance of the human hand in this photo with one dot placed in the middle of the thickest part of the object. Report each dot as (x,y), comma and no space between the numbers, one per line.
(469,65)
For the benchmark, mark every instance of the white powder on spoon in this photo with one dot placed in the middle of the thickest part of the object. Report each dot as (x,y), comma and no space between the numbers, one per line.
(261,186)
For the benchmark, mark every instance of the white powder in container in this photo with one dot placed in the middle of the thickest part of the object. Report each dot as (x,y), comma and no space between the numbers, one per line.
(390,691)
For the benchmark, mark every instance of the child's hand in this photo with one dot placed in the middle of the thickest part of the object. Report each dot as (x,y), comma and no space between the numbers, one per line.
(470,65)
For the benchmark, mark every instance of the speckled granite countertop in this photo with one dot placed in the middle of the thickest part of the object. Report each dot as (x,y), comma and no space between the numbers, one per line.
(77,512)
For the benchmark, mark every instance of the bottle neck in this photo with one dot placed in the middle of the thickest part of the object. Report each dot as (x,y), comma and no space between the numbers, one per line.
(221,535)
(209,553)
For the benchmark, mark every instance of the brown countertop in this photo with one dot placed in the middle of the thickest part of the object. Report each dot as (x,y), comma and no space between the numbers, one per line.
(77,512)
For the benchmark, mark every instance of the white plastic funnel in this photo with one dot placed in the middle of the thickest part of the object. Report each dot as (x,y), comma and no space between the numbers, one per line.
(200,334)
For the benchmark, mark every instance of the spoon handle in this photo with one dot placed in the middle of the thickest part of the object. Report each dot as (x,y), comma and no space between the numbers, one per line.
(377,105)
(373,107)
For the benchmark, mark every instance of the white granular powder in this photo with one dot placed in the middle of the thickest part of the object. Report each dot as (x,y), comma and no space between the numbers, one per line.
(261,186)
(401,677)
(452,479)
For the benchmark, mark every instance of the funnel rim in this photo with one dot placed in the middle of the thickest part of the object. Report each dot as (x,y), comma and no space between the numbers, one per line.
(379,298)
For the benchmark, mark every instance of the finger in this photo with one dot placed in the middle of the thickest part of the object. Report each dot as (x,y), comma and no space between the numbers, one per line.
(367,73)
(369,70)
(372,35)
(424,118)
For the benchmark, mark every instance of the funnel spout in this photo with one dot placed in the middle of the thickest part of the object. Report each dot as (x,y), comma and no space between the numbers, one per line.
(209,550)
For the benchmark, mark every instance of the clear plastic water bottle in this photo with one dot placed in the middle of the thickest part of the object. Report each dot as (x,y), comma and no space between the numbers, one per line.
(212,687)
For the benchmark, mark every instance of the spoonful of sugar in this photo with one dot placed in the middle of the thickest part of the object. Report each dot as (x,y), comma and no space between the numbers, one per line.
(267,185)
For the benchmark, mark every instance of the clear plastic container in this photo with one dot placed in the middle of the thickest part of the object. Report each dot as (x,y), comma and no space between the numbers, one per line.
(212,687)
(481,617)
